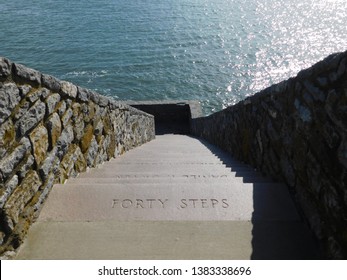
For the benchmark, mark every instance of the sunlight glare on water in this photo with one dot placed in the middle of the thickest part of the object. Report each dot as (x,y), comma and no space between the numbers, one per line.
(215,51)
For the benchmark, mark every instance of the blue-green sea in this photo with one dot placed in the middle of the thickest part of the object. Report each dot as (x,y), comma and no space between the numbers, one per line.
(215,51)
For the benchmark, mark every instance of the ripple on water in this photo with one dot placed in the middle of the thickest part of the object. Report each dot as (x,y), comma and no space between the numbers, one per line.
(218,51)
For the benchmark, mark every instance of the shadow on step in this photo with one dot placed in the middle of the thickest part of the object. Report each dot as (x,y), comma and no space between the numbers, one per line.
(278,231)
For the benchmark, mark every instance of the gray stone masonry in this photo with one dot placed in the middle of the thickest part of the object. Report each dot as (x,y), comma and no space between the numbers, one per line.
(51,130)
(296,131)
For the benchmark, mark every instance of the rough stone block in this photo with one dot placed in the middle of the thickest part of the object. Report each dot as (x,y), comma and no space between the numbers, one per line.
(67,116)
(64,141)
(5,67)
(20,197)
(52,102)
(79,160)
(24,90)
(39,141)
(87,138)
(68,162)
(8,189)
(9,163)
(103,101)
(33,96)
(46,187)
(78,128)
(54,129)
(99,128)
(92,152)
(61,108)
(7,137)
(314,91)
(21,109)
(26,167)
(27,75)
(48,164)
(31,118)
(94,97)
(51,83)
(68,89)
(83,94)
(9,99)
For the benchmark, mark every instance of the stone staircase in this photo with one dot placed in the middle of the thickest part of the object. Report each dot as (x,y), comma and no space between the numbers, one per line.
(176,197)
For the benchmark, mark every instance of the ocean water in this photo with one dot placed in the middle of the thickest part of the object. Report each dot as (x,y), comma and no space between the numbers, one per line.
(215,51)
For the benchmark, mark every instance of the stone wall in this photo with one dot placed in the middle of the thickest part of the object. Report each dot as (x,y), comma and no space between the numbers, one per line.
(296,131)
(170,116)
(51,130)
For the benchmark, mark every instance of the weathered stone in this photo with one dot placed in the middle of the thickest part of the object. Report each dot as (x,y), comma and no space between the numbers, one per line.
(8,164)
(54,129)
(7,137)
(68,89)
(9,99)
(303,112)
(48,164)
(51,83)
(25,168)
(78,128)
(64,141)
(76,110)
(338,72)
(101,155)
(67,116)
(58,125)
(336,108)
(83,94)
(99,128)
(87,138)
(39,141)
(89,112)
(314,91)
(2,240)
(103,101)
(5,67)
(323,81)
(61,108)
(20,197)
(51,102)
(21,109)
(79,160)
(330,135)
(111,148)
(27,75)
(31,118)
(46,187)
(92,152)
(93,96)
(33,96)
(68,162)
(8,189)
(24,90)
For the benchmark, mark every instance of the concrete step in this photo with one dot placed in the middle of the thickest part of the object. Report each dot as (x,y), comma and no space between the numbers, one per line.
(151,168)
(173,177)
(168,240)
(105,173)
(171,163)
(129,179)
(169,202)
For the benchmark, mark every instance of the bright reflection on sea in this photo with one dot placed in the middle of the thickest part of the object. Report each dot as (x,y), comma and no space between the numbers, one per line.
(216,51)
